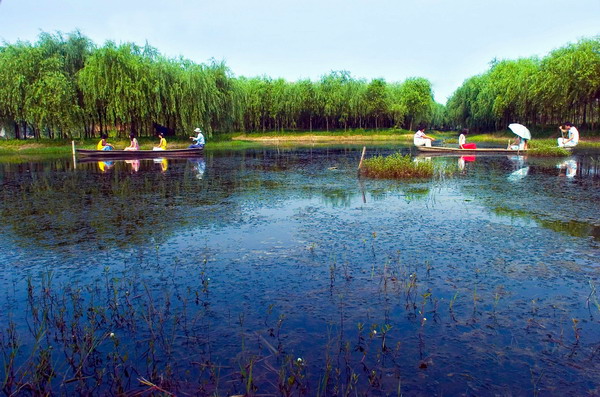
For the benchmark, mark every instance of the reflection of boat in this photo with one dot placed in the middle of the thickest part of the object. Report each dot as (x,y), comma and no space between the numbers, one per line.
(444,149)
(138,154)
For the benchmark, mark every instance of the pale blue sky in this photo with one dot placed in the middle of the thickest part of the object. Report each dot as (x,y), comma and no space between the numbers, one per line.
(445,41)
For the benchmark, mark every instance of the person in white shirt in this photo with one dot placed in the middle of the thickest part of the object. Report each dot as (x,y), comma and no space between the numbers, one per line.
(462,140)
(572,138)
(420,139)
(199,140)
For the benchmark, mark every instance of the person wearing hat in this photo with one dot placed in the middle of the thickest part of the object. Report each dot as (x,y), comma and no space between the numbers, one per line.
(199,139)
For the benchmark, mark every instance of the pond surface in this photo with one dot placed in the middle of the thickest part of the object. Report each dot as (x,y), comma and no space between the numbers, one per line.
(280,272)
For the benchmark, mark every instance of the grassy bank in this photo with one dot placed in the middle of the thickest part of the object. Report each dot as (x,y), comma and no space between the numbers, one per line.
(231,141)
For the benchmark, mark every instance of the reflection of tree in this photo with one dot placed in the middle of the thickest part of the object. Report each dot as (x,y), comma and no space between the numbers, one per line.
(338,197)
(572,227)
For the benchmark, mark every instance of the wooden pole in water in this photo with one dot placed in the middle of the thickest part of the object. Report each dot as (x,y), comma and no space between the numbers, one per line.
(74,159)
(362,157)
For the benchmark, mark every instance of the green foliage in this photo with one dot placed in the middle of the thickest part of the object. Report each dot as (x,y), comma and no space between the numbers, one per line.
(546,149)
(396,166)
(67,87)
(563,86)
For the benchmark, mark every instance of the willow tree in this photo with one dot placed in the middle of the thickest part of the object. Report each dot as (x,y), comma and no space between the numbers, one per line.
(376,100)
(307,103)
(417,97)
(569,84)
(565,85)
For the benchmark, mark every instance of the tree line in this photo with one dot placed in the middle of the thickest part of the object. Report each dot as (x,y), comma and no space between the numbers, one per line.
(562,86)
(66,86)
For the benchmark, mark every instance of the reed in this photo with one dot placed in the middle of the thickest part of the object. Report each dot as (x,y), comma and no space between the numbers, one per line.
(396,166)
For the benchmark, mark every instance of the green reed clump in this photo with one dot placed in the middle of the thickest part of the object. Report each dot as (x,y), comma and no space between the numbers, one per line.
(543,149)
(396,166)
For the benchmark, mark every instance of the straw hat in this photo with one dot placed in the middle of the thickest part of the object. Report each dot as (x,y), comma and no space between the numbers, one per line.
(197,130)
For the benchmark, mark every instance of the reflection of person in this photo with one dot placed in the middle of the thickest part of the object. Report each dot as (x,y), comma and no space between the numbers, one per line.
(162,144)
(518,144)
(199,139)
(462,140)
(133,145)
(105,165)
(572,138)
(200,168)
(570,166)
(103,145)
(420,139)
(135,164)
(164,164)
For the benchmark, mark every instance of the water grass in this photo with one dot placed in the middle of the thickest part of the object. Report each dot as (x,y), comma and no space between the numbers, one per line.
(545,149)
(396,166)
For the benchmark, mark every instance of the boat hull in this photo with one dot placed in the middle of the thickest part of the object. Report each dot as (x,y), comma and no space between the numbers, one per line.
(443,149)
(138,154)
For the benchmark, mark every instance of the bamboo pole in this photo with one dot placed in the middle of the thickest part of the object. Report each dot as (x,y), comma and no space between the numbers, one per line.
(362,157)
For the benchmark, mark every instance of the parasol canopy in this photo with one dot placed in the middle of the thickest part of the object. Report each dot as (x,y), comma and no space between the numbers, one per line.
(520,130)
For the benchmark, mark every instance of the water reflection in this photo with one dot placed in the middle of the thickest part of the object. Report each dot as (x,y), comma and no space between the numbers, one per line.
(135,165)
(281,253)
(569,167)
(463,160)
(163,163)
(104,166)
(199,166)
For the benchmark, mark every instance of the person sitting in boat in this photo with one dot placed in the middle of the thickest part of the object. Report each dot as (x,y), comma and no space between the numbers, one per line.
(518,144)
(199,140)
(133,145)
(462,140)
(103,145)
(162,144)
(420,139)
(572,138)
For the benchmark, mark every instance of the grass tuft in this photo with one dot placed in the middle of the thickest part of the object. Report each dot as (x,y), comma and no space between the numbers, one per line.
(396,166)
(543,149)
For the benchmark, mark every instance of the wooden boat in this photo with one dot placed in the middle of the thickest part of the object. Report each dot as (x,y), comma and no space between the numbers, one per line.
(456,150)
(138,154)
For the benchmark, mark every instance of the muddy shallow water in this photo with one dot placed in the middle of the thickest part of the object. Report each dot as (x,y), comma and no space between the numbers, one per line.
(280,272)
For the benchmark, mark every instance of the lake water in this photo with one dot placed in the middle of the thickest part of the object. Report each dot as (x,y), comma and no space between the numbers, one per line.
(281,272)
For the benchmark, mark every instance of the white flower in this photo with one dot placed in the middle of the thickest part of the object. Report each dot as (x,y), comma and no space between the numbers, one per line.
(112,335)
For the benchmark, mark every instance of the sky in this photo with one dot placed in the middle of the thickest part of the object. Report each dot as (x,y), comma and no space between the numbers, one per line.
(444,41)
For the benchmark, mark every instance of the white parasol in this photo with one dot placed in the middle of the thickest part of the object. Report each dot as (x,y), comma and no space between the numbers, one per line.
(520,130)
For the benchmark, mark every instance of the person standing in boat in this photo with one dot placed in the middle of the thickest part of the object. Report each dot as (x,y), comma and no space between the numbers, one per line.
(133,145)
(103,145)
(199,140)
(572,138)
(162,144)
(462,140)
(420,139)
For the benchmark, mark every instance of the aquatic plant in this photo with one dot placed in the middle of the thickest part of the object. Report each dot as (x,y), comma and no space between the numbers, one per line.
(396,166)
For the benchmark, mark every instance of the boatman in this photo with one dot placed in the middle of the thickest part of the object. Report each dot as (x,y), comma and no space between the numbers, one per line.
(573,135)
(420,139)
(199,140)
